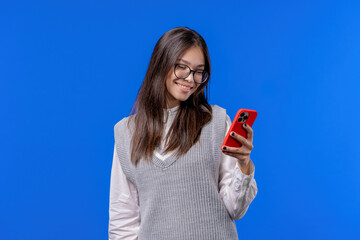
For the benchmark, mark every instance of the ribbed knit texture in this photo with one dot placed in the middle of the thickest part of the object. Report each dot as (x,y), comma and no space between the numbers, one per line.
(179,197)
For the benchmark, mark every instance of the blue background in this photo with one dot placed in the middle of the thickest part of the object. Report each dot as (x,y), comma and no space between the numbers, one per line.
(69,70)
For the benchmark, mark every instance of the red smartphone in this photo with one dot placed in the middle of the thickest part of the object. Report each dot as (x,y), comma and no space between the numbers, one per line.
(243,116)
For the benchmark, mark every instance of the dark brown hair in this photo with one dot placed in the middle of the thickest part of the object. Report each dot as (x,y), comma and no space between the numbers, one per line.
(150,103)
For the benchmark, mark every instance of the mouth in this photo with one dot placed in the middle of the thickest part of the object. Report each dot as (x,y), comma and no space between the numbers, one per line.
(184,87)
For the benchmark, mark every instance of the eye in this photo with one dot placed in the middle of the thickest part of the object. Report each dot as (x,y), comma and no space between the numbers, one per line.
(182,67)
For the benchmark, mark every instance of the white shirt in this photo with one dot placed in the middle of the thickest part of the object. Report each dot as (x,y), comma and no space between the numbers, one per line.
(236,189)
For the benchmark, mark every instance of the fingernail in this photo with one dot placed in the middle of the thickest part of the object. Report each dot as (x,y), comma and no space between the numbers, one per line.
(232,134)
(245,124)
(224,148)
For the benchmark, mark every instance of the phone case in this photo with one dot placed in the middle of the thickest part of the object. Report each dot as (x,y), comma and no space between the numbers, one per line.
(243,116)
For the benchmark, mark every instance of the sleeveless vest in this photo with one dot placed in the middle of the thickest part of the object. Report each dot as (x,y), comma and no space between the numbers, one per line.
(179,197)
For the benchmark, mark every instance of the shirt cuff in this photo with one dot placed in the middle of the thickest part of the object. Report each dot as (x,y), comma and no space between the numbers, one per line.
(240,179)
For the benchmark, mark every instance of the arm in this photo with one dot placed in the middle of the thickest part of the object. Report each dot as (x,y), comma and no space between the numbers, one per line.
(237,189)
(124,217)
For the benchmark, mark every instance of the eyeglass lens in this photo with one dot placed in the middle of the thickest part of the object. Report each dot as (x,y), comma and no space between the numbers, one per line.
(183,71)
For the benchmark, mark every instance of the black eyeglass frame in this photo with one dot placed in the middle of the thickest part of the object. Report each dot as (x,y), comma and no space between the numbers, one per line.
(191,71)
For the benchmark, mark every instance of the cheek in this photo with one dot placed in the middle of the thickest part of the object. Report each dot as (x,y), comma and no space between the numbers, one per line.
(195,88)
(170,78)
(169,83)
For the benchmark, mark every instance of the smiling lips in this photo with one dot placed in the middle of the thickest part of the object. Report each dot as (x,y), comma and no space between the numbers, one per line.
(185,88)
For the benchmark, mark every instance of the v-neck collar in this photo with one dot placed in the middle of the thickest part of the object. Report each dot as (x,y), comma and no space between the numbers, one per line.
(164,164)
(163,157)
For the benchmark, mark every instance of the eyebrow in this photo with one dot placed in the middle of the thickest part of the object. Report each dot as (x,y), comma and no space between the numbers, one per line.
(201,65)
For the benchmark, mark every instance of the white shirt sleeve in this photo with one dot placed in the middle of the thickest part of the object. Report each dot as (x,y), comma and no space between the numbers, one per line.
(124,216)
(236,189)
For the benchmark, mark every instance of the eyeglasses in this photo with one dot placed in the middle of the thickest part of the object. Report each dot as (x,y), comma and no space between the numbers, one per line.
(183,71)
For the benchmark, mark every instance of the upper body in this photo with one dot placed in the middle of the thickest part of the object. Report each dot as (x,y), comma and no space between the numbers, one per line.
(170,180)
(235,188)
(227,195)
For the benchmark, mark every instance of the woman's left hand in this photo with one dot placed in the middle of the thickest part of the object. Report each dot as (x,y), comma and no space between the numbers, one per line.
(242,153)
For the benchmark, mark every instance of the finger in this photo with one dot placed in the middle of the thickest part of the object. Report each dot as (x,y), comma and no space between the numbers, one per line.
(250,132)
(237,150)
(242,140)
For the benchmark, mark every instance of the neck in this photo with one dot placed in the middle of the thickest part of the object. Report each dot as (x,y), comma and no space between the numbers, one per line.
(172,104)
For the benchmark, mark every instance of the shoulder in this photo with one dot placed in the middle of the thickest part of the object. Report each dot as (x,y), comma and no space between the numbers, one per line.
(121,123)
(124,125)
(221,115)
(217,110)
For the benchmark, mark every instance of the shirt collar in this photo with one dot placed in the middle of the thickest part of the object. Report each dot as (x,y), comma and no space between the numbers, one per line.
(171,111)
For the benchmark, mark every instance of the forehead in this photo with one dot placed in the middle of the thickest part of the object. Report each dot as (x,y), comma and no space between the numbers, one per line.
(193,56)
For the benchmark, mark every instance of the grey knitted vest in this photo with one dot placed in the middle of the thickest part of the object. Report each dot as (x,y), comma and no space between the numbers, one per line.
(179,197)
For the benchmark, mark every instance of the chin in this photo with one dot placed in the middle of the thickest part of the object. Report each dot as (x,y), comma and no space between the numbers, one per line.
(183,98)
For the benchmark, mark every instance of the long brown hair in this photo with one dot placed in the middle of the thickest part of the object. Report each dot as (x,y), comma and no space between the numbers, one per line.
(150,103)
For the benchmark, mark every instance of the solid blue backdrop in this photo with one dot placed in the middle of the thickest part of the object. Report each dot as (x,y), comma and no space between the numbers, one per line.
(69,70)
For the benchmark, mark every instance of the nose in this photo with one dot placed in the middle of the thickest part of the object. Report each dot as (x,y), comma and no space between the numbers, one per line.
(190,78)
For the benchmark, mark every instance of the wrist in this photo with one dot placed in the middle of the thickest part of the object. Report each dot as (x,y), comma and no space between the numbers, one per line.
(244,166)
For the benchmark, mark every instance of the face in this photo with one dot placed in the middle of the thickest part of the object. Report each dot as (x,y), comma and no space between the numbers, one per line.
(179,90)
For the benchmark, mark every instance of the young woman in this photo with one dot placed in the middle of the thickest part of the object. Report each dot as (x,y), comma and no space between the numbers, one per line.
(169,178)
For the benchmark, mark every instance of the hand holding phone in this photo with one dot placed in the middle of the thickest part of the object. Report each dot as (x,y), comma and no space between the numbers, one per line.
(243,116)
